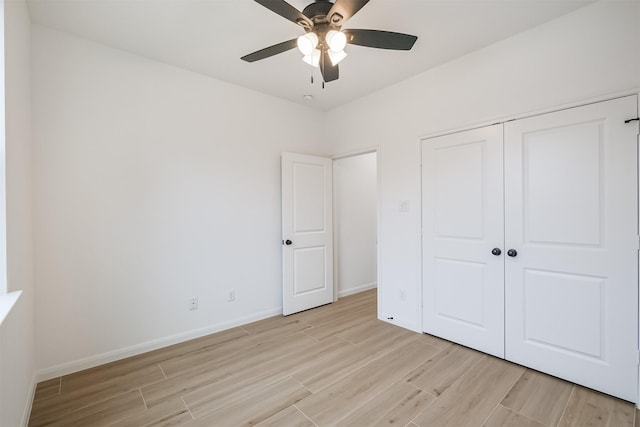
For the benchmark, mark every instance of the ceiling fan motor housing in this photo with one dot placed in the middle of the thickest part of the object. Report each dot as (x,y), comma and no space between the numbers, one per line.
(317,13)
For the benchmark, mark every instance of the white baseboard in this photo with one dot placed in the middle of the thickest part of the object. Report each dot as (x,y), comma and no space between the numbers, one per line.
(122,353)
(29,403)
(357,289)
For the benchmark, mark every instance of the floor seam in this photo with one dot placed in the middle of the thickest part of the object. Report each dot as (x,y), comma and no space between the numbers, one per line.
(163,373)
(305,415)
(143,399)
(505,395)
(304,386)
(566,405)
(187,406)
(524,415)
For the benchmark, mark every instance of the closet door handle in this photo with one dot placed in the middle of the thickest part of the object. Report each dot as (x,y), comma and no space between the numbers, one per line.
(512,253)
(287,242)
(496,251)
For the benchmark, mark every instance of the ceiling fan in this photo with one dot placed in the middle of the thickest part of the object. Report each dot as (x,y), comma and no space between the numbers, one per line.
(324,41)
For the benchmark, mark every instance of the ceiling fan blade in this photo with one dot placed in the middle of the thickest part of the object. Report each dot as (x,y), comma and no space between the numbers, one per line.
(287,11)
(270,51)
(328,70)
(345,9)
(380,39)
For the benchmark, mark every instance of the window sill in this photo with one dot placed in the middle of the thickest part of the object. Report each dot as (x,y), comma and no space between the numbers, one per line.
(7,301)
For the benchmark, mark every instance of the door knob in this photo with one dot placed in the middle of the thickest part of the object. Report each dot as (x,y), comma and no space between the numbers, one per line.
(496,251)
(288,242)
(512,253)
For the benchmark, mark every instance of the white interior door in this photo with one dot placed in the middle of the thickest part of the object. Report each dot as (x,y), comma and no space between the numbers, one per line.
(571,215)
(462,221)
(307,232)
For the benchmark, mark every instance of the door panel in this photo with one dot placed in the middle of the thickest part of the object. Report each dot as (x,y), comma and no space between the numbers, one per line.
(309,266)
(309,207)
(307,262)
(563,172)
(454,278)
(462,222)
(548,295)
(571,298)
(459,196)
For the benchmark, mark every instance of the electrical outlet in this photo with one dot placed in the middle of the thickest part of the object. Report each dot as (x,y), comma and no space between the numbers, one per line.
(231,296)
(193,303)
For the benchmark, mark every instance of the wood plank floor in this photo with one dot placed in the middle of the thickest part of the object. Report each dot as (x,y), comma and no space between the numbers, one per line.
(332,366)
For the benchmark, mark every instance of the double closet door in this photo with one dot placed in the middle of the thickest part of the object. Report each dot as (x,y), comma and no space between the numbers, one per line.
(530,242)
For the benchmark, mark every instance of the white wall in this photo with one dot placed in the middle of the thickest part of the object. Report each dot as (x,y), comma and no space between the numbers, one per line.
(17,352)
(355,212)
(152,185)
(588,53)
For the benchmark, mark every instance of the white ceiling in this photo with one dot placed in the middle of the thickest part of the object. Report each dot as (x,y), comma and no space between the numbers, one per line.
(210,36)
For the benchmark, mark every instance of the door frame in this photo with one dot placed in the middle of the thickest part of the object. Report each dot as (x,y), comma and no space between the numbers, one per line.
(638,230)
(508,118)
(374,149)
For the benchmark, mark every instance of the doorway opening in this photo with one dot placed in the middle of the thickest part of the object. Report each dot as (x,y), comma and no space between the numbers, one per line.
(355,215)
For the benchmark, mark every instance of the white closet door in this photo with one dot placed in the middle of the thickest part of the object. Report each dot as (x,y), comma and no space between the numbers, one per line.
(462,220)
(571,294)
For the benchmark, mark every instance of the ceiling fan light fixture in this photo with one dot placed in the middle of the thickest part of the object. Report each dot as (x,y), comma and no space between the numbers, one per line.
(323,44)
(307,43)
(313,58)
(336,40)
(336,57)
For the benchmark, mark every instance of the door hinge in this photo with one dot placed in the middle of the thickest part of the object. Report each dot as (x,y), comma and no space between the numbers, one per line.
(638,357)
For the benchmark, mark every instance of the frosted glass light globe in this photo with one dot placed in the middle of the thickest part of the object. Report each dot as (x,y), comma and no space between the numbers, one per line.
(336,40)
(307,42)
